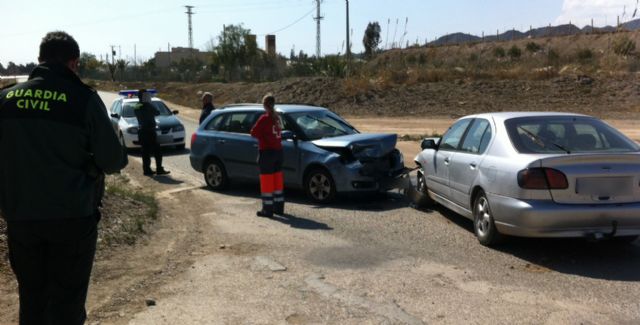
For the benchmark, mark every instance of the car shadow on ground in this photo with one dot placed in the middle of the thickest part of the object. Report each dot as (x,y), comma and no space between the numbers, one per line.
(166,152)
(300,223)
(361,202)
(604,259)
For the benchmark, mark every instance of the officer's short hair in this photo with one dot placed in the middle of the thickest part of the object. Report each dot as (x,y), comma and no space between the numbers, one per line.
(269,100)
(58,47)
(207,94)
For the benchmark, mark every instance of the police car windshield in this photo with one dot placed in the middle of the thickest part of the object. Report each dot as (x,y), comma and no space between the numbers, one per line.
(128,110)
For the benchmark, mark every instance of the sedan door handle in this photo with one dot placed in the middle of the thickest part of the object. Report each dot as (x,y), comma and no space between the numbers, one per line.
(473,166)
(255,145)
(446,160)
(222,141)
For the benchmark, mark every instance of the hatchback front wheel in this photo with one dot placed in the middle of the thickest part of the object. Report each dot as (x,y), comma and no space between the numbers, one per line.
(319,186)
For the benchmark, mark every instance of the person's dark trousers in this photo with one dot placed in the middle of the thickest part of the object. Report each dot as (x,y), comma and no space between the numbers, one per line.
(271,181)
(52,261)
(149,143)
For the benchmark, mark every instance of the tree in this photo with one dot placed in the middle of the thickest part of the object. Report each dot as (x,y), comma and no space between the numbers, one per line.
(121,65)
(371,38)
(235,49)
(1,69)
(89,64)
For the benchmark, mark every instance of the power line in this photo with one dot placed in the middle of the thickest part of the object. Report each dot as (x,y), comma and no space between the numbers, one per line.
(293,23)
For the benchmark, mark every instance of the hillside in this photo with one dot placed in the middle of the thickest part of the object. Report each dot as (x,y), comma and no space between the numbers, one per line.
(578,73)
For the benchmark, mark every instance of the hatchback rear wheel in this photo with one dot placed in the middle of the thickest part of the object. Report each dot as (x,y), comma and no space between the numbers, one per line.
(215,175)
(483,222)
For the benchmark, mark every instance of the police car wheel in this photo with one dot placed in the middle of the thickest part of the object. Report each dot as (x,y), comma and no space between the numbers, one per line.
(215,175)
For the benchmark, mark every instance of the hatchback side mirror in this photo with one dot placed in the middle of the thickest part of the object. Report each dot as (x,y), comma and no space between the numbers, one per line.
(288,135)
(429,143)
(175,112)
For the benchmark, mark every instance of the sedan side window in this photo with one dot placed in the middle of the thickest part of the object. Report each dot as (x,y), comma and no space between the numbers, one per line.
(477,138)
(451,139)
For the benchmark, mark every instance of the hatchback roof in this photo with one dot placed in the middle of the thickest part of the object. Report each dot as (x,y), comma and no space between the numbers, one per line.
(284,108)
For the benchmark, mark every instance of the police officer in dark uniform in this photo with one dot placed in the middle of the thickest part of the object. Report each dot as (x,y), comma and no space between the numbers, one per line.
(146,114)
(56,141)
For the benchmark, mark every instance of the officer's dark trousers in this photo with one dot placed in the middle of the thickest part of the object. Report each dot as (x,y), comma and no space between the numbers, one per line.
(271,181)
(52,262)
(149,143)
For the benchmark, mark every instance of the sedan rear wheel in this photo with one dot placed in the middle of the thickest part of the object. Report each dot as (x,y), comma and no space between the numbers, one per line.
(319,186)
(215,175)
(483,222)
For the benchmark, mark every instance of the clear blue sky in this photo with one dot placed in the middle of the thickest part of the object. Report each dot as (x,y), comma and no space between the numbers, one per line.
(152,25)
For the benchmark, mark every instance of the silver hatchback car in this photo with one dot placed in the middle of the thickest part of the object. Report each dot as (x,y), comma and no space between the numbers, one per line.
(534,175)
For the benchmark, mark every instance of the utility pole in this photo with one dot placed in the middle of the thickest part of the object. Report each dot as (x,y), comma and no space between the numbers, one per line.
(189,14)
(113,54)
(318,18)
(348,42)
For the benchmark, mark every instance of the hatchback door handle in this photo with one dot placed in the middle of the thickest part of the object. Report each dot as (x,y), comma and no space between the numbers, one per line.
(446,160)
(473,165)
(222,141)
(255,145)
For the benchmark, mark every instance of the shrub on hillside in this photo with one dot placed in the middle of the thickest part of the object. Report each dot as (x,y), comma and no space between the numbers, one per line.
(499,52)
(515,52)
(624,46)
(553,58)
(533,47)
(584,55)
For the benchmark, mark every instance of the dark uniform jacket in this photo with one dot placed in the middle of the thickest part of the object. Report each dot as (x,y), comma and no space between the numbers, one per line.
(146,114)
(55,141)
(206,110)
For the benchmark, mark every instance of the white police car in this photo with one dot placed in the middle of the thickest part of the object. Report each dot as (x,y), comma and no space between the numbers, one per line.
(169,129)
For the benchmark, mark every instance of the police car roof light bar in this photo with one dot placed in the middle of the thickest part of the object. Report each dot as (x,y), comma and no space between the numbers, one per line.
(134,93)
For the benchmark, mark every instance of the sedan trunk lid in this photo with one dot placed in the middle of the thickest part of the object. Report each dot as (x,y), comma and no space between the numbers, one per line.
(597,178)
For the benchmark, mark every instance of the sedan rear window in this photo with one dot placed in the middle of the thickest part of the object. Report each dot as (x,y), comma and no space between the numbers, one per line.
(566,134)
(129,108)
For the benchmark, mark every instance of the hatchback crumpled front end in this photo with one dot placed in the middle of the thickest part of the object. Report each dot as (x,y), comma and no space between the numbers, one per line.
(366,162)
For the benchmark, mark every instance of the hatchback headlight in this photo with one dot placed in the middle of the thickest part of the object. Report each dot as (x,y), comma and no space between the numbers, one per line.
(177,128)
(132,130)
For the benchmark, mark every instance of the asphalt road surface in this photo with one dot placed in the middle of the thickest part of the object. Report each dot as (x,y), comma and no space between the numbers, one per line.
(379,261)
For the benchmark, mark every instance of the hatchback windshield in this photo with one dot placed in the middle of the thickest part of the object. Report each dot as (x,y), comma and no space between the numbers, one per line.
(128,110)
(566,134)
(317,125)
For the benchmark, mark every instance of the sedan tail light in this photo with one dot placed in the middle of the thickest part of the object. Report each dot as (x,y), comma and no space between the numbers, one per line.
(193,138)
(542,179)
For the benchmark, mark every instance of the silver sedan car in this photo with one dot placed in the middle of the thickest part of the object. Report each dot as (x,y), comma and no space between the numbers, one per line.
(534,175)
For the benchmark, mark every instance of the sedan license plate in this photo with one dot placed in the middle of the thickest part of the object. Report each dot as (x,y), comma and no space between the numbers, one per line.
(162,139)
(605,186)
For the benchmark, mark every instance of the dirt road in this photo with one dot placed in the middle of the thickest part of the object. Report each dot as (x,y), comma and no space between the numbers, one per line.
(210,260)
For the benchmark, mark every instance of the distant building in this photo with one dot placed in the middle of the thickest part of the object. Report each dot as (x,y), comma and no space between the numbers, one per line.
(177,54)
(270,44)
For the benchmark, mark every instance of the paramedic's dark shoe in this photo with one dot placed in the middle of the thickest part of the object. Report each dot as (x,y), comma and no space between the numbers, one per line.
(149,173)
(264,214)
